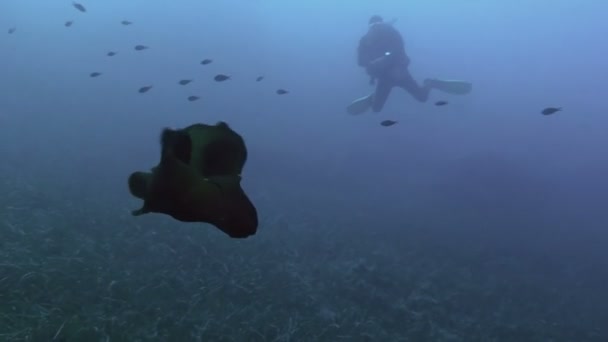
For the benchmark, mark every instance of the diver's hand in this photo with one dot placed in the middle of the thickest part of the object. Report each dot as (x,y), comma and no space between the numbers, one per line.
(375,67)
(379,64)
(377,61)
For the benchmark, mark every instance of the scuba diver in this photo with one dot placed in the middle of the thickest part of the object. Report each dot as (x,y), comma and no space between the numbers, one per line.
(382,53)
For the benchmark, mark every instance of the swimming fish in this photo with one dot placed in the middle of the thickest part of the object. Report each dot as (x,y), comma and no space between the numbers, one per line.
(126,22)
(206,61)
(12,30)
(111,53)
(282,92)
(221,78)
(387,123)
(140,47)
(193,98)
(184,82)
(94,74)
(79,7)
(551,110)
(68,23)
(198,179)
(259,78)
(441,103)
(145,89)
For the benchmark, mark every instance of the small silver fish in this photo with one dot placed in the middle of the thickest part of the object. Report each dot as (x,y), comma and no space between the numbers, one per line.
(193,98)
(441,103)
(12,30)
(126,22)
(551,110)
(111,53)
(206,61)
(145,89)
(140,47)
(260,78)
(79,7)
(94,74)
(387,123)
(184,82)
(282,92)
(68,23)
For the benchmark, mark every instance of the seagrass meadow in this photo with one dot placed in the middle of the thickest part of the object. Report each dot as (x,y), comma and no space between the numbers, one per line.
(75,270)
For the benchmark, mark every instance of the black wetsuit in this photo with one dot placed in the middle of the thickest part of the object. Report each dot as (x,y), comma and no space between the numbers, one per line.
(389,70)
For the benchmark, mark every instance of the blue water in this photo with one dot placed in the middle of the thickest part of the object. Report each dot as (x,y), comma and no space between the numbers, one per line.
(481,220)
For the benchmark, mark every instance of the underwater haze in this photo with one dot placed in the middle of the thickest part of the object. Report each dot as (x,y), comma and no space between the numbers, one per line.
(478,220)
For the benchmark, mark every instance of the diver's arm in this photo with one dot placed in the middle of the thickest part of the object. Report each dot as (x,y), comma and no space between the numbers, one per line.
(362,53)
(397,47)
(363,57)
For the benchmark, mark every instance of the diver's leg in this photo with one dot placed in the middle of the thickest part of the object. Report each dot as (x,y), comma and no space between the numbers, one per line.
(407,82)
(383,90)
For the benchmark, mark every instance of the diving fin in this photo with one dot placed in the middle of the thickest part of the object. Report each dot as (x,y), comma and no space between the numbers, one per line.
(360,105)
(454,87)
